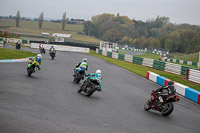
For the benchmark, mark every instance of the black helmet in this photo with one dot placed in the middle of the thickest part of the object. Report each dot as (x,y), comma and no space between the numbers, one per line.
(171,82)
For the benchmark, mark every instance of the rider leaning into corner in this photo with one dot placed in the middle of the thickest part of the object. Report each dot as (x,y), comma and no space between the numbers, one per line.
(82,64)
(165,91)
(37,60)
(52,49)
(96,75)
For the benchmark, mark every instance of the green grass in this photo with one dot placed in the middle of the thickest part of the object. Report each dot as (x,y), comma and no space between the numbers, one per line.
(31,28)
(149,55)
(14,54)
(182,56)
(141,70)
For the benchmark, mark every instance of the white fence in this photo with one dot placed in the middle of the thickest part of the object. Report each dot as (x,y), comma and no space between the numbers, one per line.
(173,68)
(194,75)
(128,58)
(147,62)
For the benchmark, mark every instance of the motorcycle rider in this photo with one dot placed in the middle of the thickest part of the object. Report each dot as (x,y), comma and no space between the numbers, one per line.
(52,50)
(96,75)
(165,91)
(18,44)
(82,64)
(37,61)
(40,46)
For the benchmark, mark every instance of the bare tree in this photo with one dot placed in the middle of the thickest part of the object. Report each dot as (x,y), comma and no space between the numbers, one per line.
(17,18)
(41,18)
(63,21)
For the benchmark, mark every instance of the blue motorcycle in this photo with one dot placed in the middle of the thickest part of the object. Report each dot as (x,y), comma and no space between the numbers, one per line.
(79,74)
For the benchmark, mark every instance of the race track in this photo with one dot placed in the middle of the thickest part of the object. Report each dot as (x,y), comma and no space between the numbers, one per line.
(48,101)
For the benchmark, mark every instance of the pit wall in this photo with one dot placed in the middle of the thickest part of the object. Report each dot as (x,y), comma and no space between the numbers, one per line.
(62,48)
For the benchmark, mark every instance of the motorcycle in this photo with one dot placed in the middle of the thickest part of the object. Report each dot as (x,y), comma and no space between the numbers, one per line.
(80,75)
(18,46)
(30,68)
(52,54)
(165,108)
(89,86)
(42,50)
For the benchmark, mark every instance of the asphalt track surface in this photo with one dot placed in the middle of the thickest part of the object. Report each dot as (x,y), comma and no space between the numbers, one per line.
(48,101)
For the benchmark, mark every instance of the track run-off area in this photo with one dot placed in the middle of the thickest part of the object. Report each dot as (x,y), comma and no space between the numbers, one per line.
(48,102)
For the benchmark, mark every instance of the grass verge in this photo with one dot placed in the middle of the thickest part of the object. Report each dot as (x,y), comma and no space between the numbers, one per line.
(14,54)
(141,70)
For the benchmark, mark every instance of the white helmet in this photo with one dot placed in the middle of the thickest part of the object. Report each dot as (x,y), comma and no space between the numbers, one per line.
(39,55)
(98,71)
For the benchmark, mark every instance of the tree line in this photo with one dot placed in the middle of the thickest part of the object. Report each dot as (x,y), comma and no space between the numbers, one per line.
(154,33)
(40,20)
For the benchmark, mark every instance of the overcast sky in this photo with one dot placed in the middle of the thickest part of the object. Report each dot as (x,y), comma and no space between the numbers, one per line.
(179,11)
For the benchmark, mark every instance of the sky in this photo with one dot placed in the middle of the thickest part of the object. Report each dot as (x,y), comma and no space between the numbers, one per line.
(179,11)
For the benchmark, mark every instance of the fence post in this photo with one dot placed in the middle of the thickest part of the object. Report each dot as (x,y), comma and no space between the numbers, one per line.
(187,73)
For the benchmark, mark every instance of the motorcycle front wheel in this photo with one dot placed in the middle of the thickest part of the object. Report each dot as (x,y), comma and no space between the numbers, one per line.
(91,89)
(147,105)
(29,72)
(80,89)
(167,109)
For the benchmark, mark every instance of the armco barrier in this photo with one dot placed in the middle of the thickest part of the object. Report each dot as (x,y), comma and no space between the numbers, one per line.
(128,58)
(156,64)
(147,62)
(63,48)
(109,54)
(190,93)
(173,68)
(181,61)
(193,75)
(121,57)
(114,55)
(104,52)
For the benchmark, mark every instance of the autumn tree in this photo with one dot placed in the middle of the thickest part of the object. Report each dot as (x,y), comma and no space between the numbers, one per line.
(40,20)
(63,21)
(17,18)
(112,35)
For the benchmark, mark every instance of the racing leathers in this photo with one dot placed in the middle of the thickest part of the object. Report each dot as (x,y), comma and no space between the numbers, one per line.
(95,76)
(81,65)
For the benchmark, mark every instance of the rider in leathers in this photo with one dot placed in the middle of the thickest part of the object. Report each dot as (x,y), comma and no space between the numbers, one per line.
(52,49)
(96,75)
(82,64)
(165,91)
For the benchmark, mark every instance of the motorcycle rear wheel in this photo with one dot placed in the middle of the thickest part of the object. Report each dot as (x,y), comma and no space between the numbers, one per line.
(167,109)
(147,105)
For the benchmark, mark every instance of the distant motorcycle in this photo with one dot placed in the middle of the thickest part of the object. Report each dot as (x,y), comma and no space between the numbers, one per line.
(52,54)
(42,50)
(165,108)
(80,75)
(89,86)
(18,46)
